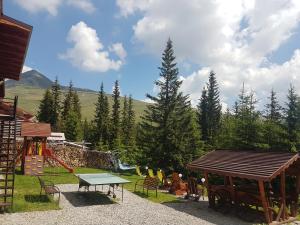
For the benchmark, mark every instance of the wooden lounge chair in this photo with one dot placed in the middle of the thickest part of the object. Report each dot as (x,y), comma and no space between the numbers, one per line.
(178,187)
(159,176)
(193,189)
(148,183)
(138,171)
(49,188)
(150,173)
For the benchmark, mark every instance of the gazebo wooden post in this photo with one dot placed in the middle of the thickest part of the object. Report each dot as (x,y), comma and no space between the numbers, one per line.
(231,189)
(264,200)
(207,187)
(1,7)
(283,196)
(297,193)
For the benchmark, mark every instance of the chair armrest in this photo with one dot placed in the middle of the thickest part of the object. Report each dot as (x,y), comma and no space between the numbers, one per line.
(48,183)
(138,181)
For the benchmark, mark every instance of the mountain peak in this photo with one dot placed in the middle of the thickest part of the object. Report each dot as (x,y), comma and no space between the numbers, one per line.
(31,78)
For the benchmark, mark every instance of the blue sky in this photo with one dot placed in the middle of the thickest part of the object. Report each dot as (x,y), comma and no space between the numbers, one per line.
(90,41)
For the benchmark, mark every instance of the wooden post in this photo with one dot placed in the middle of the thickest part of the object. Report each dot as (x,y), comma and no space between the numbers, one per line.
(1,7)
(207,188)
(231,189)
(295,210)
(264,200)
(283,197)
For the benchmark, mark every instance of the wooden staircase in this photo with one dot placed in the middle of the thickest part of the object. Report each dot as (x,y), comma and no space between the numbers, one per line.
(8,132)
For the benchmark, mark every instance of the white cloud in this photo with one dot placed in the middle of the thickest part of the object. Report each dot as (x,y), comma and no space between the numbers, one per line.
(52,6)
(234,38)
(85,5)
(88,52)
(119,50)
(34,6)
(147,100)
(26,69)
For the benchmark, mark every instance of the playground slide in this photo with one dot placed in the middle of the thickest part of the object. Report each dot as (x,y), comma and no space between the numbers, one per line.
(49,153)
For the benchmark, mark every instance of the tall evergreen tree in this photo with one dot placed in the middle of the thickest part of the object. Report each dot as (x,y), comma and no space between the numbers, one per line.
(115,117)
(72,127)
(101,120)
(202,115)
(213,109)
(55,90)
(168,135)
(76,107)
(67,103)
(130,133)
(292,117)
(247,121)
(45,112)
(273,130)
(124,122)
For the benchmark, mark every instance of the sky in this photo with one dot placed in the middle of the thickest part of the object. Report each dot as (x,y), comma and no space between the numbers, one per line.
(93,41)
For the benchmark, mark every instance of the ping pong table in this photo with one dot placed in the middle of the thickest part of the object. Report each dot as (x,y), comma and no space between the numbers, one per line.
(94,179)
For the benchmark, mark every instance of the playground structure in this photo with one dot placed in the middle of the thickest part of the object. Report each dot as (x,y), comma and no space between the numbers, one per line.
(34,151)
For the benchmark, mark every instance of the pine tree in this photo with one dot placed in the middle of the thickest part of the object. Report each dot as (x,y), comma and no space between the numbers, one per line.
(273,130)
(292,117)
(45,112)
(101,120)
(213,109)
(130,133)
(72,127)
(55,90)
(247,122)
(202,115)
(169,136)
(67,104)
(124,123)
(76,107)
(115,117)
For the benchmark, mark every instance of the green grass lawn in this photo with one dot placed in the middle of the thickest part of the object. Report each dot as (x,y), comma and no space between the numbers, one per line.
(27,189)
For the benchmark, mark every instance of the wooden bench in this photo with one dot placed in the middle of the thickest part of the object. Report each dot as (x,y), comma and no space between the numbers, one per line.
(149,183)
(49,188)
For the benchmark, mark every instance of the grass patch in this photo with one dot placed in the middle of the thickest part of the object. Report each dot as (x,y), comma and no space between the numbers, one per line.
(27,189)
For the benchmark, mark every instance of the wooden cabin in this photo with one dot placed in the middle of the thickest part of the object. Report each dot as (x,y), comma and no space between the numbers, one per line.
(266,181)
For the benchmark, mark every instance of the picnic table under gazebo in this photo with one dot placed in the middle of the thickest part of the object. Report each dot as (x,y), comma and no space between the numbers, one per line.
(255,179)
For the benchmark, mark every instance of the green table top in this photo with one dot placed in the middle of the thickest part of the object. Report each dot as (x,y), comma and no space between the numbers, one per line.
(101,179)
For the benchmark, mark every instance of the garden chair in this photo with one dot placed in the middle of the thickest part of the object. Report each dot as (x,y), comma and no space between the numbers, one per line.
(178,187)
(138,171)
(150,173)
(149,183)
(193,189)
(159,175)
(49,188)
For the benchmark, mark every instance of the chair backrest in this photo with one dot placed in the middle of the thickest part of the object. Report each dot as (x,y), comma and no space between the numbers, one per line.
(175,177)
(192,186)
(151,182)
(138,171)
(159,175)
(150,173)
(42,183)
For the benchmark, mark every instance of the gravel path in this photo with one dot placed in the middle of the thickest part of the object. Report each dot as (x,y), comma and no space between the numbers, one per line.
(133,211)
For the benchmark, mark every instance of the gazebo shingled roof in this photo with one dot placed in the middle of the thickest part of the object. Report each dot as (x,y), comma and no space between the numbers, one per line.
(257,165)
(14,41)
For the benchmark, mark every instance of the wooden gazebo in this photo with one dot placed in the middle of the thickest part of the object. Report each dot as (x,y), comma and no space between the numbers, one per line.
(249,178)
(14,41)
